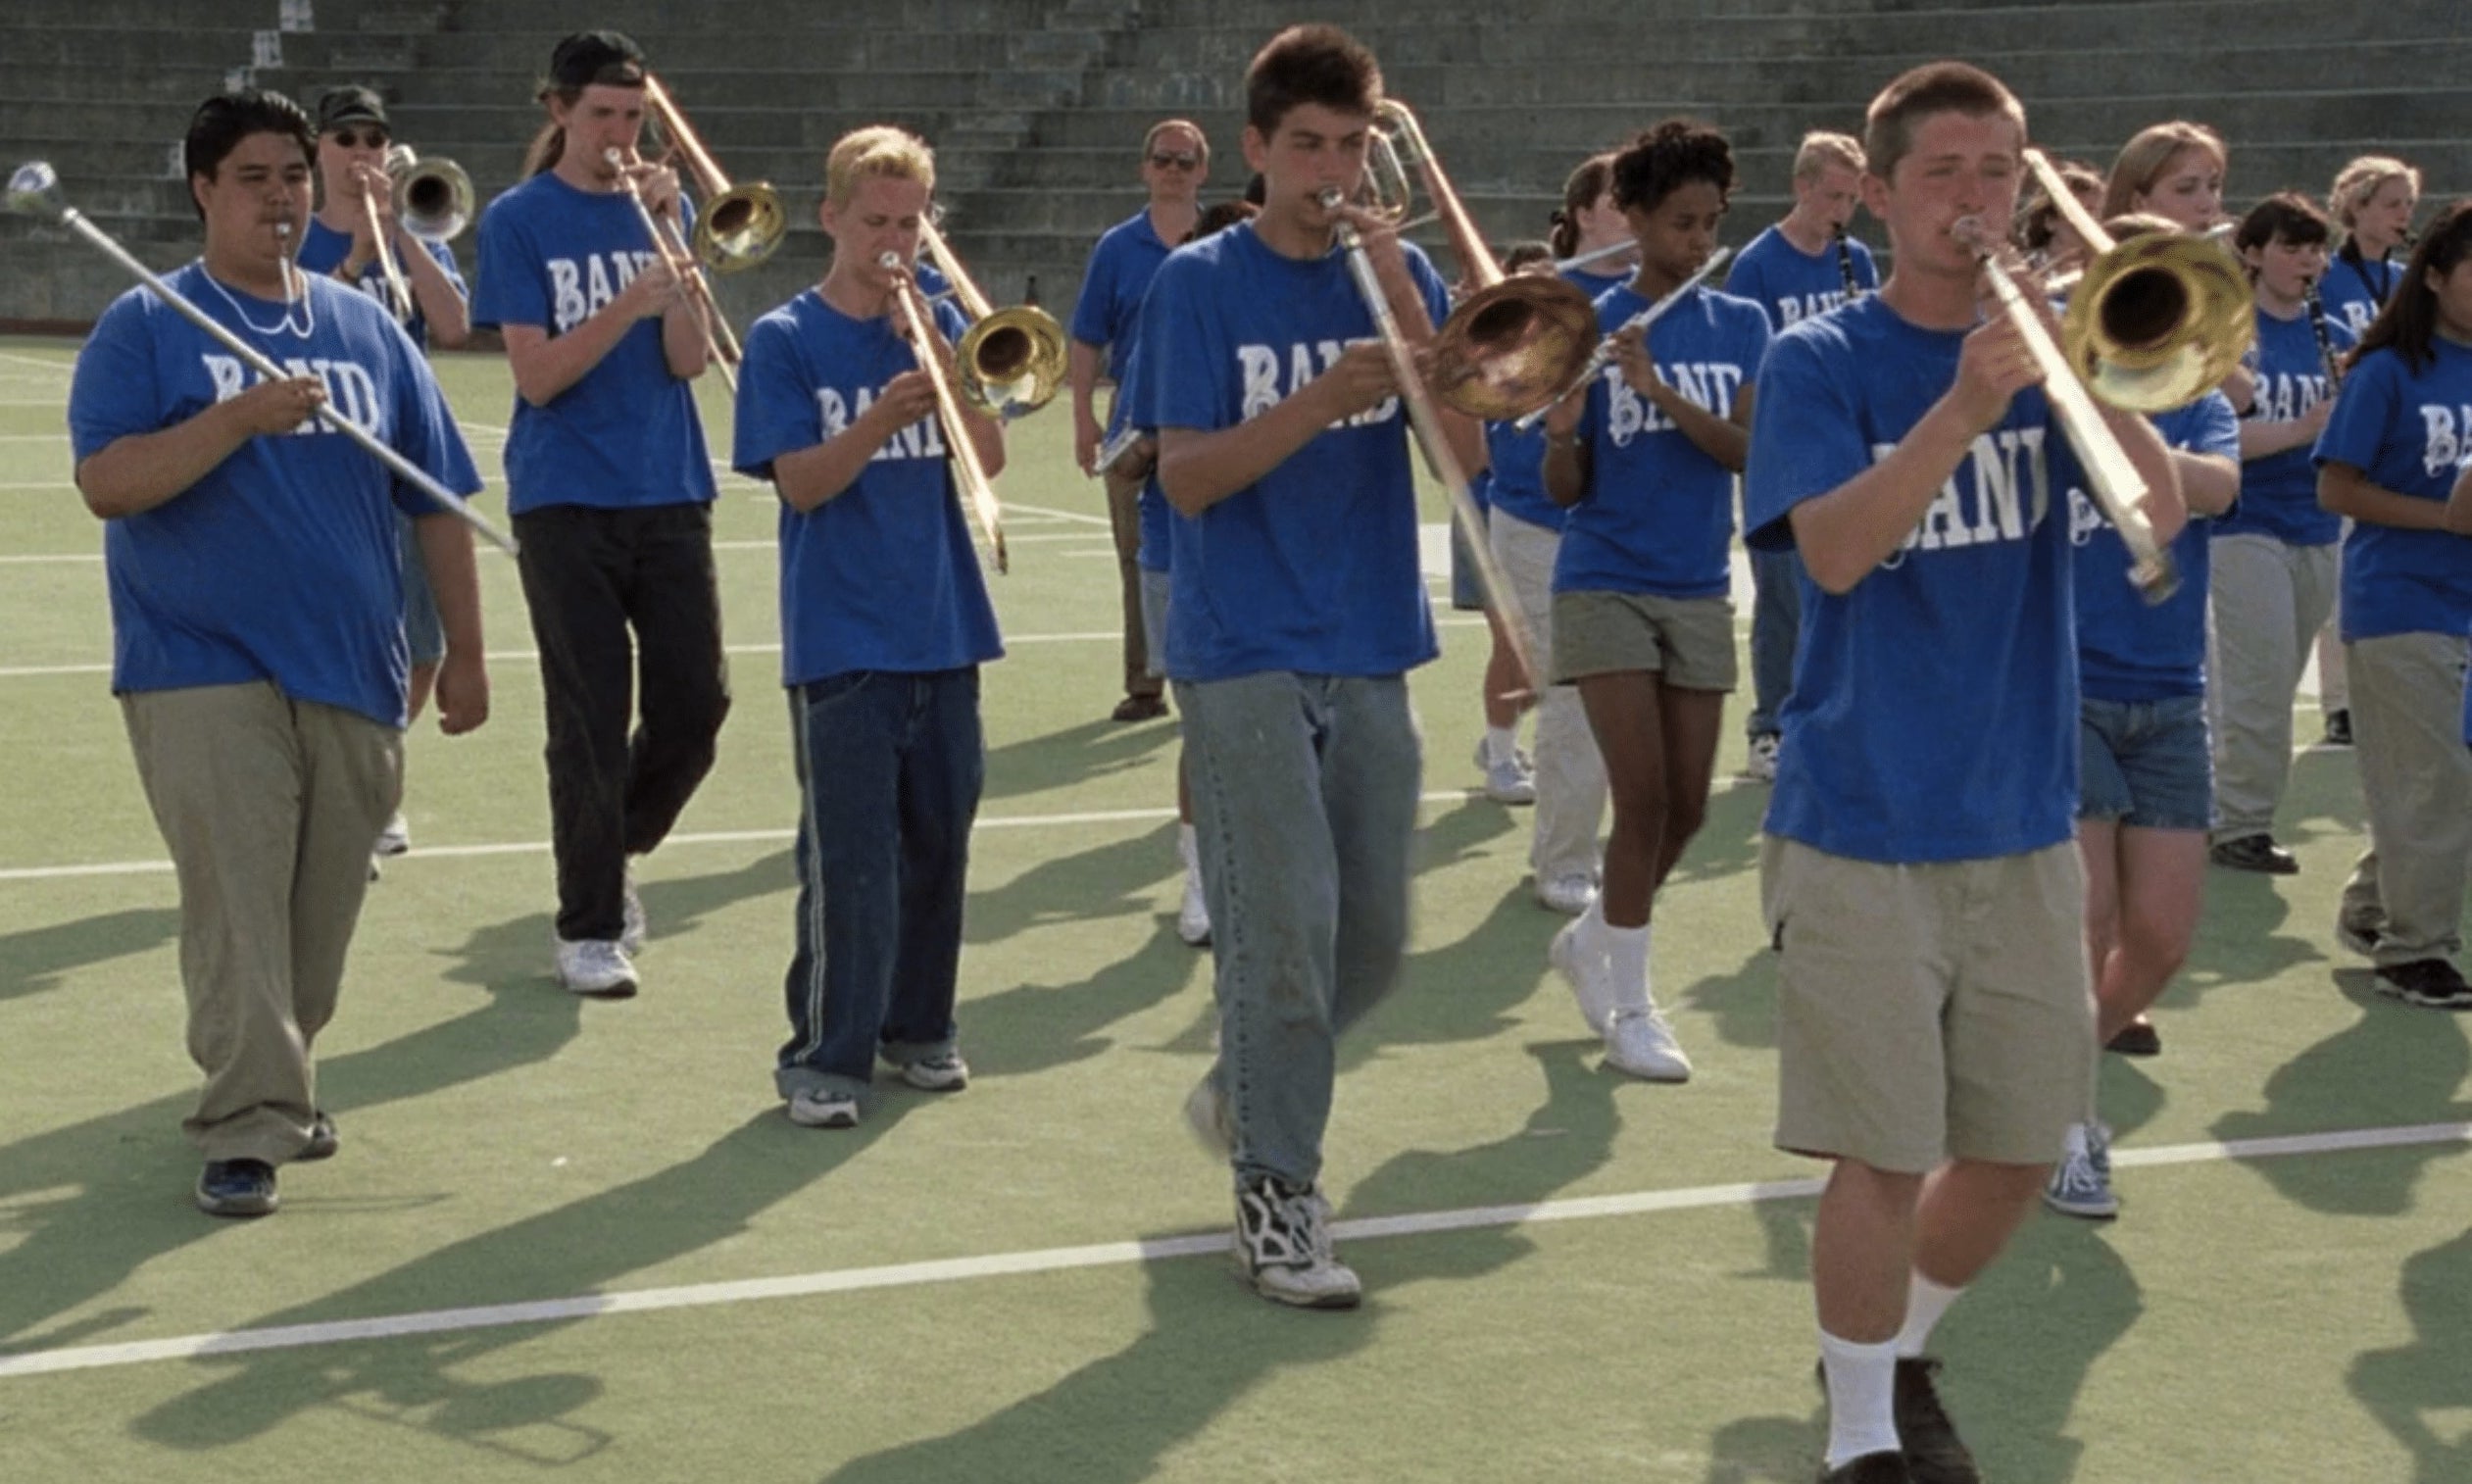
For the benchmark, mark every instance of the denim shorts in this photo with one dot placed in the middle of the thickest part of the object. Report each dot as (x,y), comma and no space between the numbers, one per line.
(2145,763)
(1155,622)
(424,633)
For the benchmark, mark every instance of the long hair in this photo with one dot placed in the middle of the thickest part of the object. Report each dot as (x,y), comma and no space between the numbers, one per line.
(1580,192)
(2148,153)
(2409,322)
(550,143)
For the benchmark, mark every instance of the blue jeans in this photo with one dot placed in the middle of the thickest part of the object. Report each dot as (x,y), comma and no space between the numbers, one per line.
(1776,624)
(1304,793)
(889,772)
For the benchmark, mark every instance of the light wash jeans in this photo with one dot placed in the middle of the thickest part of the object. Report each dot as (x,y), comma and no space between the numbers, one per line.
(1304,792)
(1776,626)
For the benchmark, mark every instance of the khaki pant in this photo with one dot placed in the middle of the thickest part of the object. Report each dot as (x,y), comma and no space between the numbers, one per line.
(269,807)
(2268,600)
(1125,518)
(1570,777)
(2416,778)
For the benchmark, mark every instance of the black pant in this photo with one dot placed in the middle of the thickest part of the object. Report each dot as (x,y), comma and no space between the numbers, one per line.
(589,577)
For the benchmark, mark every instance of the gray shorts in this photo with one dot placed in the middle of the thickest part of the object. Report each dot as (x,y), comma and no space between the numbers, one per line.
(1930,1012)
(1155,622)
(1687,641)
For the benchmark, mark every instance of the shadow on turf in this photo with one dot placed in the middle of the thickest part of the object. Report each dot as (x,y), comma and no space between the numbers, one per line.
(580,1247)
(2419,1392)
(1080,755)
(41,958)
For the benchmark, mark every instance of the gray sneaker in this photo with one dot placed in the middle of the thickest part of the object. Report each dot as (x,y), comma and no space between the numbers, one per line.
(1283,1245)
(944,1071)
(824,1107)
(1206,1115)
(2081,1183)
(1510,781)
(595,966)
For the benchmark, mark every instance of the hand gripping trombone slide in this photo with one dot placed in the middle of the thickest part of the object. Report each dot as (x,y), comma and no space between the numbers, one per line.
(967,471)
(34,190)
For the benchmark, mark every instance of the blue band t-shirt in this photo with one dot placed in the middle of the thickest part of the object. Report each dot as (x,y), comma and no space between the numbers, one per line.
(2411,431)
(1110,308)
(2356,290)
(881,576)
(626,433)
(1789,284)
(2127,648)
(323,250)
(2279,492)
(281,564)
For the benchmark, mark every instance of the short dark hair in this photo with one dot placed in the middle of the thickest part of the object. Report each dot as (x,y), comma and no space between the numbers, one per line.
(1310,64)
(221,122)
(1935,87)
(2283,217)
(1660,158)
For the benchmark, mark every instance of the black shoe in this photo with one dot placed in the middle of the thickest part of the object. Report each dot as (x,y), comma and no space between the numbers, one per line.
(2138,1038)
(2338,729)
(236,1188)
(2431,982)
(1871,1469)
(2255,853)
(1140,708)
(1934,1455)
(323,1140)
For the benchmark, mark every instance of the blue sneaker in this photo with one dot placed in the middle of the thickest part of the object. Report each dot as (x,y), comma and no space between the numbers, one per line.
(236,1188)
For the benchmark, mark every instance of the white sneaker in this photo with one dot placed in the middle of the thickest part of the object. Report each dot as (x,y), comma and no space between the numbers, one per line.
(1510,781)
(633,926)
(1640,1042)
(823,1108)
(1205,1113)
(395,838)
(1283,1247)
(1567,894)
(1590,981)
(2081,1183)
(945,1071)
(595,966)
(1761,766)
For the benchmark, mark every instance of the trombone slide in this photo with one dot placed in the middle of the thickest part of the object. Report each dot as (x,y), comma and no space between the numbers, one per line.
(967,471)
(667,241)
(398,292)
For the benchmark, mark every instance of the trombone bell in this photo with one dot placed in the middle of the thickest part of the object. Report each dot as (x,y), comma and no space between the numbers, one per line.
(434,198)
(1012,361)
(740,228)
(1510,349)
(2157,320)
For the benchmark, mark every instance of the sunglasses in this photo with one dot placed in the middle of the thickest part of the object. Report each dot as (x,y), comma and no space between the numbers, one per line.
(352,139)
(1167,161)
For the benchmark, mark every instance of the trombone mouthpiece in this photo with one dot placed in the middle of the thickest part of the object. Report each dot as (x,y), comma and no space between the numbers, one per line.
(1329,197)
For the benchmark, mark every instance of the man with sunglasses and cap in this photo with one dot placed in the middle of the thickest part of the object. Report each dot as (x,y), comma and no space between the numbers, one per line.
(1175,161)
(352,141)
(611,490)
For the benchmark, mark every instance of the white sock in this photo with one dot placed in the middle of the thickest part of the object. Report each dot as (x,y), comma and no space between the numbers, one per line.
(1189,846)
(1925,1302)
(1590,939)
(1861,1398)
(1627,956)
(1502,743)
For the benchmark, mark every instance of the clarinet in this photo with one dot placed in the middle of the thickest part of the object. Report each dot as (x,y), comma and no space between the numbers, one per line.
(1845,265)
(2325,343)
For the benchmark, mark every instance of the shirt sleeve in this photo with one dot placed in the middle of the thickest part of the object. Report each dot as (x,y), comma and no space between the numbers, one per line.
(511,291)
(1098,291)
(2362,412)
(113,393)
(1866,266)
(1807,433)
(778,412)
(444,256)
(1180,327)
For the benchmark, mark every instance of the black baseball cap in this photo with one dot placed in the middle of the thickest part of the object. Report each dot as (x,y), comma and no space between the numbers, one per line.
(589,57)
(355,104)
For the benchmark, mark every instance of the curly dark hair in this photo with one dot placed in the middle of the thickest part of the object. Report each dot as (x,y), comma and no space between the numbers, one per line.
(1672,154)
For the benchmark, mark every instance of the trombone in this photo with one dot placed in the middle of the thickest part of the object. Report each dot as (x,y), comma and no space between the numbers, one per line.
(1012,360)
(1605,349)
(433,203)
(2155,321)
(740,225)
(34,190)
(967,471)
(1511,343)
(673,250)
(2114,481)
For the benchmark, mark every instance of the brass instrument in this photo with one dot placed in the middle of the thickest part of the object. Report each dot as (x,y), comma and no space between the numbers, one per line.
(34,190)
(2155,321)
(672,249)
(1603,354)
(739,225)
(1013,360)
(2112,479)
(398,292)
(967,471)
(433,203)
(1129,455)
(1512,342)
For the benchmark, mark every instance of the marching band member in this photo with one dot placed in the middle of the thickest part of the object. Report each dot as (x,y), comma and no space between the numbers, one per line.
(1298,609)
(2044,232)
(2395,449)
(2175,171)
(2372,201)
(2144,792)
(1588,221)
(1176,162)
(255,578)
(612,494)
(2275,554)
(1804,264)
(1524,527)
(1644,458)
(1935,1028)
(352,141)
(884,624)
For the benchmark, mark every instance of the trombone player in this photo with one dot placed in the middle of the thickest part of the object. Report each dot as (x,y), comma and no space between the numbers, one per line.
(885,621)
(355,220)
(611,490)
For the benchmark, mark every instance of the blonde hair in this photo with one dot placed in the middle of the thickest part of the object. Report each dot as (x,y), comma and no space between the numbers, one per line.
(881,149)
(2362,178)
(2148,153)
(1821,149)
(1201,140)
